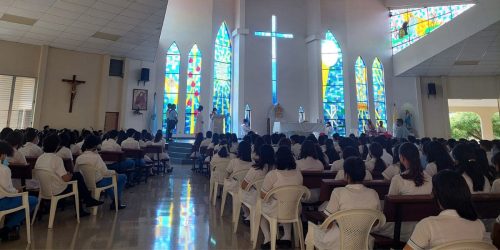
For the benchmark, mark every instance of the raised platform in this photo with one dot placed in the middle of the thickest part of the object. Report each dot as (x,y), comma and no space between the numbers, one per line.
(179,151)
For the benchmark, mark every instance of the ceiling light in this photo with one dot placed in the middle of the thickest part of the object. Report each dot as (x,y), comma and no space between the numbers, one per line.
(18,19)
(106,36)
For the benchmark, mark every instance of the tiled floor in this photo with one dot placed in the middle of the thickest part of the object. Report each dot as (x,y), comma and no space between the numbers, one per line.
(169,212)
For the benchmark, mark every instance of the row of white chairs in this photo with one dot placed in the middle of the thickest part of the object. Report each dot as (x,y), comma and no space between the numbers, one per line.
(354,225)
(47,180)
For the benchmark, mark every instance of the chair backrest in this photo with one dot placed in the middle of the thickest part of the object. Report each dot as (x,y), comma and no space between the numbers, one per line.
(68,165)
(203,150)
(257,184)
(288,199)
(20,171)
(466,245)
(47,181)
(239,175)
(111,156)
(88,173)
(152,149)
(31,161)
(327,186)
(355,226)
(133,153)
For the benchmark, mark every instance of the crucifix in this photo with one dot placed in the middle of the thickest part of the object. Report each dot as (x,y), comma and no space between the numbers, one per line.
(73,83)
(274,67)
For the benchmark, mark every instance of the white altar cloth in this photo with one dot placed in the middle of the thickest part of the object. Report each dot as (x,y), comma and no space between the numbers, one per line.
(304,128)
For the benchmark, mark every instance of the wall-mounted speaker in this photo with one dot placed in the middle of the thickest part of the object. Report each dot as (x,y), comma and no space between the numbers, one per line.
(431,89)
(144,75)
(116,67)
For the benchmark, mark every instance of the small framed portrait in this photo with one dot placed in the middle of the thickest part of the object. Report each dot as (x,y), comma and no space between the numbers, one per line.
(140,99)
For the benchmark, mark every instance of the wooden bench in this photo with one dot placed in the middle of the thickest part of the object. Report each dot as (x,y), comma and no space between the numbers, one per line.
(327,186)
(138,154)
(21,171)
(156,150)
(312,179)
(111,157)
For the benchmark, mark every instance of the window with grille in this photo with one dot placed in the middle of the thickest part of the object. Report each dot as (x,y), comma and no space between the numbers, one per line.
(16,101)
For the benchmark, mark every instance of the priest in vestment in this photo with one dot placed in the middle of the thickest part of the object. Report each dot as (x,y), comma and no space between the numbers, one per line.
(217,122)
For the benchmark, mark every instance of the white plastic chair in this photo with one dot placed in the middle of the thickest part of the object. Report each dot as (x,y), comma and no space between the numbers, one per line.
(354,225)
(238,176)
(46,178)
(288,200)
(88,172)
(236,209)
(466,245)
(25,205)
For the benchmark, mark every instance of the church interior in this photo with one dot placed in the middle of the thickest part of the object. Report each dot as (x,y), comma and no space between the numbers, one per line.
(250,124)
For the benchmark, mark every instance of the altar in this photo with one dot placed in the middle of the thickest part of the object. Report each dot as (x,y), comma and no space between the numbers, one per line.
(302,128)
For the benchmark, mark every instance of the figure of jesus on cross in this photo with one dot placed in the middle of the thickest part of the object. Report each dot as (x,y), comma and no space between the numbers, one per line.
(274,67)
(73,83)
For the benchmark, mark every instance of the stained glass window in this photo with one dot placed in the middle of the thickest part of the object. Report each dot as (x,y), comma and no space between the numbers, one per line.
(333,83)
(361,94)
(409,25)
(172,70)
(379,91)
(193,89)
(222,75)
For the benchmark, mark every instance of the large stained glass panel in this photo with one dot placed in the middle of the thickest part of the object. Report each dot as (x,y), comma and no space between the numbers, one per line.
(379,92)
(409,25)
(192,89)
(172,70)
(222,75)
(333,83)
(361,94)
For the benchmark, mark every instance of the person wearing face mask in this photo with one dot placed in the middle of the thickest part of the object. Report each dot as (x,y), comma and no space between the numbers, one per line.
(13,221)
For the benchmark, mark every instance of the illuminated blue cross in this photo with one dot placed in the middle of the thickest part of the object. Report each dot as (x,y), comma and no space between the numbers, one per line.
(274,67)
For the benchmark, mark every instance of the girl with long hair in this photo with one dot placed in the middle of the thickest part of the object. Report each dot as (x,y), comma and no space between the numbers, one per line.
(468,166)
(437,157)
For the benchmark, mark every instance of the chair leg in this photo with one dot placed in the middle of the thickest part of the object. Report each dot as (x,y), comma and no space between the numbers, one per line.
(300,233)
(216,190)
(53,207)
(115,192)
(223,203)
(236,212)
(211,190)
(310,237)
(77,205)
(296,234)
(36,211)
(28,224)
(273,226)
(97,195)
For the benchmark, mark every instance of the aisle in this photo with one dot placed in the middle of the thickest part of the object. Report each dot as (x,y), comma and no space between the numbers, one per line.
(170,212)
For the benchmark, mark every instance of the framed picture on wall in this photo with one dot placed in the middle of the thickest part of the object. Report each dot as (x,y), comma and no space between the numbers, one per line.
(140,99)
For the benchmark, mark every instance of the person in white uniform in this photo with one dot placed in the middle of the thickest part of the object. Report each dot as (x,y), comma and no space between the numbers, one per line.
(243,162)
(495,187)
(31,148)
(470,168)
(218,166)
(257,172)
(438,158)
(395,168)
(457,221)
(15,139)
(200,121)
(309,159)
(217,121)
(353,196)
(64,152)
(285,174)
(376,165)
(346,153)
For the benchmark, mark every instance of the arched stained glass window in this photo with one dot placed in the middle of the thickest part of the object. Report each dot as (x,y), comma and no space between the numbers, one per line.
(172,70)
(193,89)
(222,75)
(361,93)
(333,83)
(379,92)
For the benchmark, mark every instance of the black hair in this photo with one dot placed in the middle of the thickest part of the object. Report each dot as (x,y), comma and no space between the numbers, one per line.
(266,157)
(437,153)
(267,139)
(130,132)
(215,138)
(31,134)
(198,139)
(258,142)
(349,151)
(234,138)
(331,152)
(285,159)
(209,134)
(312,138)
(496,161)
(376,152)
(245,151)
(354,167)
(91,142)
(65,140)
(223,152)
(465,156)
(5,132)
(6,149)
(51,143)
(285,142)
(275,138)
(308,149)
(482,160)
(122,136)
(321,156)
(15,139)
(451,192)
(363,140)
(322,139)
(415,171)
(158,136)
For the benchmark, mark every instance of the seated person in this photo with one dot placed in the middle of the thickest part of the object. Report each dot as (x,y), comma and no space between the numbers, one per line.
(243,162)
(111,145)
(102,173)
(131,143)
(15,139)
(51,162)
(309,159)
(13,221)
(31,148)
(458,219)
(346,153)
(395,168)
(353,196)
(495,187)
(206,142)
(64,151)
(376,165)
(471,169)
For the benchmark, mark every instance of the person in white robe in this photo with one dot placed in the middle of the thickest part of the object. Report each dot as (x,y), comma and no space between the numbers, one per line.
(217,121)
(200,121)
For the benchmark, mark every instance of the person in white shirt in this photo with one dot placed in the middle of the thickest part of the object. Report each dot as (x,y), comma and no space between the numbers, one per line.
(370,129)
(470,168)
(64,152)
(234,144)
(51,162)
(346,153)
(15,139)
(353,196)
(159,141)
(376,165)
(400,130)
(243,162)
(200,121)
(132,143)
(285,174)
(330,152)
(328,129)
(12,222)
(123,166)
(296,146)
(217,121)
(31,148)
(458,219)
(218,166)
(172,120)
(309,158)
(380,128)
(90,157)
(395,168)
(245,127)
(257,172)
(438,158)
